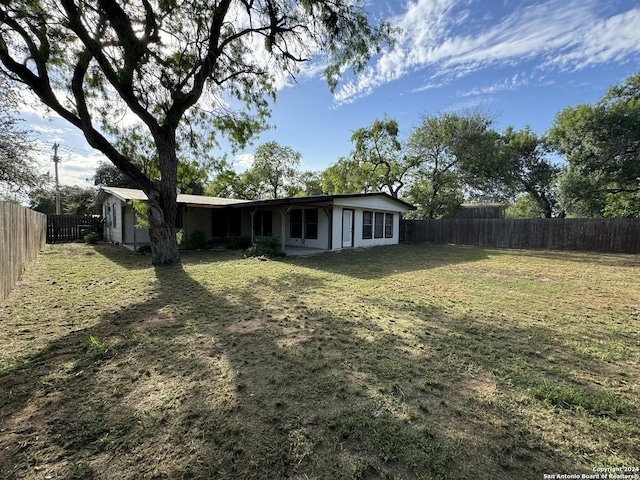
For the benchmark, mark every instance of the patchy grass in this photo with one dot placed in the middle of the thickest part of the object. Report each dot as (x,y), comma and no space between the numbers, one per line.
(397,362)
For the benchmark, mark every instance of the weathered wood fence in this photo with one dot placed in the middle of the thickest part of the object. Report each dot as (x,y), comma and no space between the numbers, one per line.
(615,235)
(22,235)
(68,228)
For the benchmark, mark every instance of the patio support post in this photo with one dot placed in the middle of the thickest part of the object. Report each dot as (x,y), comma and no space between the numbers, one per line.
(252,212)
(185,229)
(283,226)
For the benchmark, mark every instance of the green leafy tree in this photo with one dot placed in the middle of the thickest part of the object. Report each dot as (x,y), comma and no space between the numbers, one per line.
(308,183)
(18,169)
(527,170)
(601,144)
(273,172)
(379,154)
(226,183)
(525,206)
(346,176)
(272,175)
(192,175)
(451,153)
(75,200)
(439,198)
(92,61)
(580,195)
(376,163)
(108,175)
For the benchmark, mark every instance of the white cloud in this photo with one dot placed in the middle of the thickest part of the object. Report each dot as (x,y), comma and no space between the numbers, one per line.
(444,40)
(243,161)
(512,83)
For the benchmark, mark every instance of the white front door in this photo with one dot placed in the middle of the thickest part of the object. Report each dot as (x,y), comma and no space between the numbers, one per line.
(347,228)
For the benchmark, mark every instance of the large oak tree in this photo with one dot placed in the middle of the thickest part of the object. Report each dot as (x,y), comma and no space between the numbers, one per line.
(601,143)
(178,67)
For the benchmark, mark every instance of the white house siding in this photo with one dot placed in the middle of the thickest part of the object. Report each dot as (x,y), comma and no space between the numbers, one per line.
(112,212)
(369,242)
(119,219)
(139,236)
(323,231)
(359,205)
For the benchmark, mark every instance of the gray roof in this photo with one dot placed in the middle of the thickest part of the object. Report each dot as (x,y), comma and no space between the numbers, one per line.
(325,199)
(126,194)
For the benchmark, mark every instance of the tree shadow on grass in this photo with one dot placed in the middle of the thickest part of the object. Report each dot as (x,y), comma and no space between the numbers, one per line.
(131,260)
(196,382)
(379,262)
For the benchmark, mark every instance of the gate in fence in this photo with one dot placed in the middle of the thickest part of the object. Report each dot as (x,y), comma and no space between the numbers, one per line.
(68,228)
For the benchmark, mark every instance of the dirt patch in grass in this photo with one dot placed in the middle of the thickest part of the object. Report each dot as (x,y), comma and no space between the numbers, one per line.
(399,362)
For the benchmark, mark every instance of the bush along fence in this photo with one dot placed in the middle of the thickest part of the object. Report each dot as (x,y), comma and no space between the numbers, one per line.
(615,235)
(69,228)
(22,236)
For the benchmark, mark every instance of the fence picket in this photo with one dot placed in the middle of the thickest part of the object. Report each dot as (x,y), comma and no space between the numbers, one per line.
(22,235)
(68,228)
(615,235)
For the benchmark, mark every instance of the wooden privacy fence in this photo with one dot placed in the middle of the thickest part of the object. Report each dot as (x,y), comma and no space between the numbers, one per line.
(22,235)
(615,235)
(68,228)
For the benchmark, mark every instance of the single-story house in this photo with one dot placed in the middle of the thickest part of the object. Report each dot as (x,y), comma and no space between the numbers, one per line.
(325,222)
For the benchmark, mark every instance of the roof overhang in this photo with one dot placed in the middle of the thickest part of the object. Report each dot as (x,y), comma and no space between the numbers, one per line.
(203,201)
(322,200)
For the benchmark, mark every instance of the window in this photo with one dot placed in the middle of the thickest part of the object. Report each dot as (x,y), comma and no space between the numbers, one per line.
(388,225)
(218,223)
(378,231)
(114,222)
(311,223)
(308,218)
(367,224)
(296,223)
(262,224)
(235,223)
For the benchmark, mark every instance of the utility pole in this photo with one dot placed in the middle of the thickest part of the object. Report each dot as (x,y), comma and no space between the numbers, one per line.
(56,159)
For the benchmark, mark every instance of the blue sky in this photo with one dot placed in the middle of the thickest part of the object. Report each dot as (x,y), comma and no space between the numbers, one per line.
(520,61)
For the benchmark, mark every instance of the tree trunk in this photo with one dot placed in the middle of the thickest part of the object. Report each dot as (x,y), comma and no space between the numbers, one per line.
(164,249)
(162,204)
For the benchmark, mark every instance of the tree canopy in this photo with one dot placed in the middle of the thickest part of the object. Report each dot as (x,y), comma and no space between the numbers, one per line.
(18,169)
(75,200)
(452,152)
(525,168)
(191,70)
(601,143)
(273,172)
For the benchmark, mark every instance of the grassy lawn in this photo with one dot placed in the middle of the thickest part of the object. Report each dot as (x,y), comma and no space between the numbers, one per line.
(415,361)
